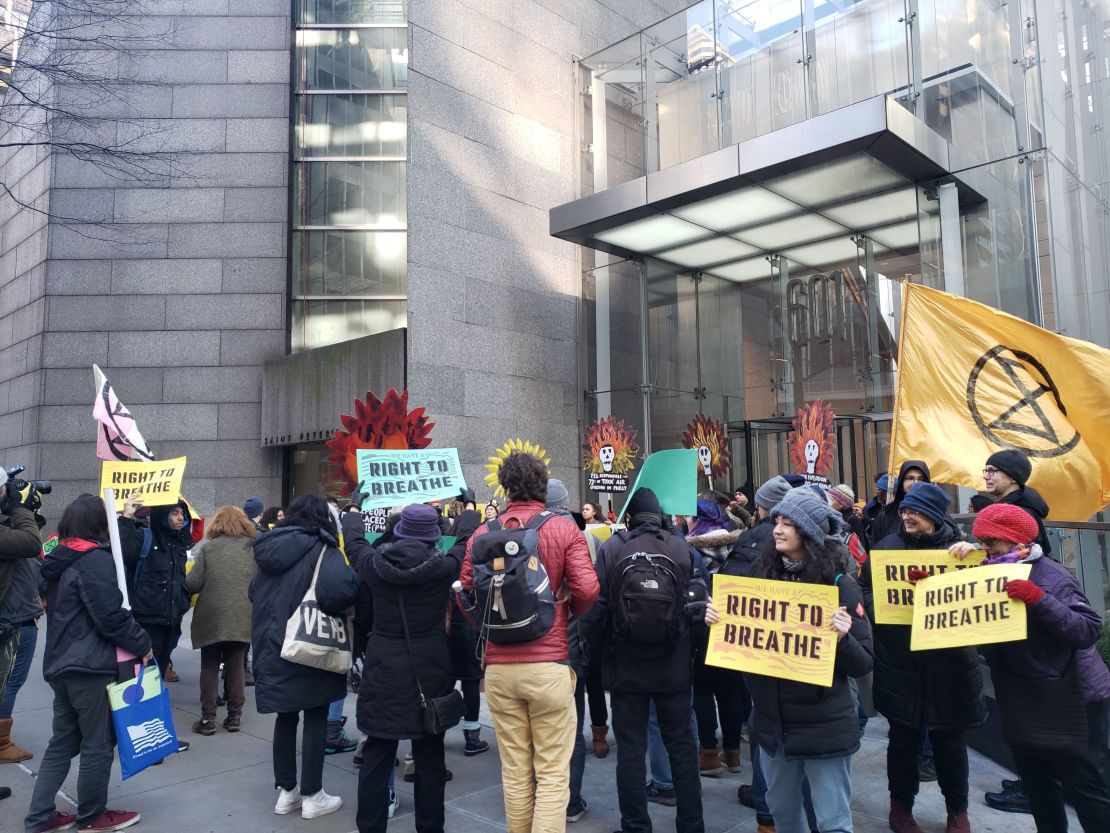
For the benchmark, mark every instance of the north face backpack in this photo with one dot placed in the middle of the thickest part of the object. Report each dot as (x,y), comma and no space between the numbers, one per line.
(647,596)
(512,591)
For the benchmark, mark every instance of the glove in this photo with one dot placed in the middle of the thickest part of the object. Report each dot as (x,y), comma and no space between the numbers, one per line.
(358,496)
(1025,591)
(915,574)
(30,498)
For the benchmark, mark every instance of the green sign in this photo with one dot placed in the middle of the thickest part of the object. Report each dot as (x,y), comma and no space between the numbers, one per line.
(390,477)
(444,543)
(49,545)
(673,475)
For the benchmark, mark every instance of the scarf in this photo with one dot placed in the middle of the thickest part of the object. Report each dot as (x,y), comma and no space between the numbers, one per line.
(792,566)
(1020,554)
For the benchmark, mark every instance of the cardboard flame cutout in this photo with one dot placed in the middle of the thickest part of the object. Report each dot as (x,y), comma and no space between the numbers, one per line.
(493,467)
(610,455)
(813,441)
(707,435)
(379,423)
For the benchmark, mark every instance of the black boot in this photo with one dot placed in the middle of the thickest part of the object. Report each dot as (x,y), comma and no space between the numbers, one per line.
(1009,801)
(474,744)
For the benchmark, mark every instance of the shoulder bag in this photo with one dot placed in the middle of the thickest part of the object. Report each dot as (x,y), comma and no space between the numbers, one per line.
(439,713)
(314,638)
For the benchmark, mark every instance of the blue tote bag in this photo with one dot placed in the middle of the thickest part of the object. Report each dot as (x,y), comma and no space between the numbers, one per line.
(143,720)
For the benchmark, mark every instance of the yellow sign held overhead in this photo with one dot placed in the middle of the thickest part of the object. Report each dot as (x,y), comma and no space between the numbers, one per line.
(775,628)
(1003,383)
(968,607)
(157,482)
(890,578)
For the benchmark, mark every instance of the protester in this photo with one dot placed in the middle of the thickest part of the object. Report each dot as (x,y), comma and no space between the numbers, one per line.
(86,624)
(492,510)
(529,686)
(155,559)
(271,518)
(843,500)
(1004,475)
(20,609)
(806,731)
(887,520)
(716,690)
(407,663)
(286,559)
(591,514)
(463,644)
(646,657)
(252,508)
(221,576)
(1052,690)
(977,503)
(940,689)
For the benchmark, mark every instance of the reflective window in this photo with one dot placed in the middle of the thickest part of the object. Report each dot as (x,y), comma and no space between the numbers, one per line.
(351,194)
(353,59)
(352,125)
(349,262)
(353,11)
(319,322)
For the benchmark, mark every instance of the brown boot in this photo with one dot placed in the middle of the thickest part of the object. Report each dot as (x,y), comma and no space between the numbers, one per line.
(957,822)
(901,818)
(170,676)
(9,752)
(601,745)
(709,762)
(764,828)
(732,760)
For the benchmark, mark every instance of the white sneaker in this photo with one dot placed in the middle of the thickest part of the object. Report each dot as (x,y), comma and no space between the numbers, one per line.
(320,804)
(288,801)
(394,803)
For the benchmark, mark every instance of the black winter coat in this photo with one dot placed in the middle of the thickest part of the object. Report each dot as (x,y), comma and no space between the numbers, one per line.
(156,583)
(748,550)
(887,520)
(85,617)
(810,721)
(463,640)
(388,700)
(943,688)
(286,559)
(621,671)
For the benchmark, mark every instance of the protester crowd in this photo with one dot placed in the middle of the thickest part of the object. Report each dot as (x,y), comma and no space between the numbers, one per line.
(559,617)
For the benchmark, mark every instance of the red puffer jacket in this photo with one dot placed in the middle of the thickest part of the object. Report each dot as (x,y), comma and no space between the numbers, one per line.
(566,559)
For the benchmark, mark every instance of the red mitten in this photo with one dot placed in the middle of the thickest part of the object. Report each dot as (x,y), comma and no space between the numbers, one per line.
(1024,590)
(915,574)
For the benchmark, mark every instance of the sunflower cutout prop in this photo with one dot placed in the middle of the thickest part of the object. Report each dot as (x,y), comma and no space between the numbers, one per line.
(812,442)
(377,423)
(493,467)
(707,435)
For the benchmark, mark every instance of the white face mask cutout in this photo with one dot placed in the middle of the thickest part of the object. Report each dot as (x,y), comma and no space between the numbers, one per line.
(705,457)
(606,454)
(812,452)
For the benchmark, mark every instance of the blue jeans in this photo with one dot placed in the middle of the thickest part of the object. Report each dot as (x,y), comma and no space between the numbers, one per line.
(25,637)
(658,762)
(335,710)
(830,784)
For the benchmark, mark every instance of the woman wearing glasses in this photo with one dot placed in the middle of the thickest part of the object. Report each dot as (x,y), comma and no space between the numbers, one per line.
(939,692)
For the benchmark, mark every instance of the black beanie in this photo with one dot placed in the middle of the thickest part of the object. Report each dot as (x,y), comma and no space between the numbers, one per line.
(643,500)
(1013,463)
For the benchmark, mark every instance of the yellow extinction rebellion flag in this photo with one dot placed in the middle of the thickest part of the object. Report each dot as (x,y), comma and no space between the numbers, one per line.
(973,380)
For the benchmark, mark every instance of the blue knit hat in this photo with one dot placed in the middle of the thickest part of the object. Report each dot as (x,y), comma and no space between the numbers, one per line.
(252,506)
(883,483)
(813,517)
(927,499)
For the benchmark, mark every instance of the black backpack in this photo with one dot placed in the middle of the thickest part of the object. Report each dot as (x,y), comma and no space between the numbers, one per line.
(647,596)
(512,591)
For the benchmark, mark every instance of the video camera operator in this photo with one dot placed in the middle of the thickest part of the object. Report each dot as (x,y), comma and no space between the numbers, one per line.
(19,594)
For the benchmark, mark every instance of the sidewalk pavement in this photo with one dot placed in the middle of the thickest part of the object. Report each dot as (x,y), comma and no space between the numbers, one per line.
(224,783)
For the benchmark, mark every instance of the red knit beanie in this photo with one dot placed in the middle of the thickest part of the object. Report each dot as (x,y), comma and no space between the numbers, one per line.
(1005,522)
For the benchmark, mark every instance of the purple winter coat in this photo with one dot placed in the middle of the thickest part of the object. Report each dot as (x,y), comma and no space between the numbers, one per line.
(1061,623)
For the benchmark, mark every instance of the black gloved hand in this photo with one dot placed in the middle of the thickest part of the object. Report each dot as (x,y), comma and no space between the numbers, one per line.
(30,498)
(359,495)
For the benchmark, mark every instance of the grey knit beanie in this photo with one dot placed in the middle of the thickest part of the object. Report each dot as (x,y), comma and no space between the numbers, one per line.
(813,517)
(772,491)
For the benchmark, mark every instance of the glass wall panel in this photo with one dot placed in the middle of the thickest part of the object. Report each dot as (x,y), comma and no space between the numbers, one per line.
(319,322)
(353,59)
(350,262)
(350,194)
(352,11)
(352,125)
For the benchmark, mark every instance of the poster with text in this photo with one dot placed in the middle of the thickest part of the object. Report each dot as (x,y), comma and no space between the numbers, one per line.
(398,477)
(610,455)
(892,587)
(158,483)
(775,628)
(968,607)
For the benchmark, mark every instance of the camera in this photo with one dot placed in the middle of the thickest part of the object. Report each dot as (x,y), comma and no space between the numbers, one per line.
(43,487)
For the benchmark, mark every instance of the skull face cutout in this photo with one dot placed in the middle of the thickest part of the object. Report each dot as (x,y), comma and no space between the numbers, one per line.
(606,454)
(812,452)
(705,457)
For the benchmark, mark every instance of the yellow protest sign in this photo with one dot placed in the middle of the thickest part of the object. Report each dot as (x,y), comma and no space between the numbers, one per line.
(893,590)
(968,607)
(158,482)
(775,628)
